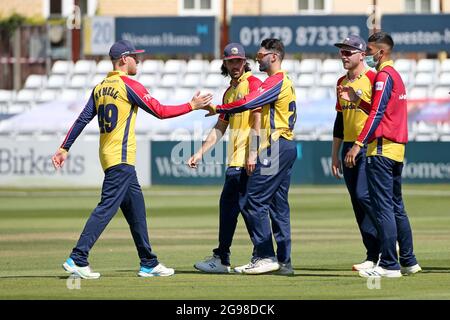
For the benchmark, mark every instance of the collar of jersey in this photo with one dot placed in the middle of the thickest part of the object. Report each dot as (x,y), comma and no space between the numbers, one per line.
(385,64)
(359,76)
(281,70)
(244,76)
(117,72)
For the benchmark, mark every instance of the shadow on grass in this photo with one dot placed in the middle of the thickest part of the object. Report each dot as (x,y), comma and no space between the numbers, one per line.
(327,275)
(35,277)
(436,269)
(323,269)
(297,274)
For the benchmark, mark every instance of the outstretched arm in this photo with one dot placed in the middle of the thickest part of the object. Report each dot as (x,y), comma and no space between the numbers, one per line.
(268,92)
(138,95)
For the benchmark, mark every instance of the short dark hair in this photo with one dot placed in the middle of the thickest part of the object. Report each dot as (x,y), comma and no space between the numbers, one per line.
(382,37)
(274,45)
(224,70)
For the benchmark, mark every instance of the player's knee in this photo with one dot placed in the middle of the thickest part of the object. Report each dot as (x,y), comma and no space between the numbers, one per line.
(362,196)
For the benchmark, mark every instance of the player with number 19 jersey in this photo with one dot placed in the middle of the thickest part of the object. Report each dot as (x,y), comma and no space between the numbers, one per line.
(115,101)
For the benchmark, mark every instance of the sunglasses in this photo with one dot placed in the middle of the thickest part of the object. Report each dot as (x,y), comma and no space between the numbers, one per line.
(261,55)
(133,57)
(348,53)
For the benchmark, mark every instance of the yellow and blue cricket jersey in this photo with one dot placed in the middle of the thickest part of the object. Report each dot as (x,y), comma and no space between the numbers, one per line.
(354,114)
(240,124)
(386,129)
(115,101)
(276,96)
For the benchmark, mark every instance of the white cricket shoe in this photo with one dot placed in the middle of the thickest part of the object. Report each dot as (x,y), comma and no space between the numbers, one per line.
(285,269)
(262,265)
(83,272)
(379,272)
(411,270)
(240,269)
(158,271)
(363,266)
(212,265)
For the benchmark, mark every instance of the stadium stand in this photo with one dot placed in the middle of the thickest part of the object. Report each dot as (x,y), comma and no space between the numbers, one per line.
(174,81)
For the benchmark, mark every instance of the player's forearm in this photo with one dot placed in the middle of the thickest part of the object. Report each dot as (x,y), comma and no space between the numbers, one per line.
(336,147)
(138,95)
(214,135)
(72,135)
(166,111)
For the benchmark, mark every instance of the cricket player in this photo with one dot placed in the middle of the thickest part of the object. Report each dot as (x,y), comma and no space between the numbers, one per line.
(385,133)
(350,119)
(268,186)
(115,102)
(241,158)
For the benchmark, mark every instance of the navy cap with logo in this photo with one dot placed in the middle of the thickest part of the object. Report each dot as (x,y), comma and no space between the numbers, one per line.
(233,51)
(122,48)
(353,41)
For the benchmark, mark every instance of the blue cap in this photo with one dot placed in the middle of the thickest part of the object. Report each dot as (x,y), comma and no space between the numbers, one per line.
(234,51)
(353,41)
(122,48)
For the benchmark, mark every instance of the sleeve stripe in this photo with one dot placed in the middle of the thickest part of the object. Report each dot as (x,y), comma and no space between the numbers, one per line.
(376,119)
(277,86)
(67,135)
(137,97)
(259,99)
(85,116)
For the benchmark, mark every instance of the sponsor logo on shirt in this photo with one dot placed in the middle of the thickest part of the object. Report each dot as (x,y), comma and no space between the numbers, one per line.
(402,97)
(379,86)
(349,106)
(147,97)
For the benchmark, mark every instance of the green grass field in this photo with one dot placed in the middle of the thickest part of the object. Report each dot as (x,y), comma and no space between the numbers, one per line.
(38,228)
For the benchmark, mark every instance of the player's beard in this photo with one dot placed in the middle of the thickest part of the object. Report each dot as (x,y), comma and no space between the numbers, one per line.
(132,71)
(235,74)
(264,66)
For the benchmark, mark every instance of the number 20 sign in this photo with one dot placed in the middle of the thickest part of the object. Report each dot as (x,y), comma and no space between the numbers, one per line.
(99,35)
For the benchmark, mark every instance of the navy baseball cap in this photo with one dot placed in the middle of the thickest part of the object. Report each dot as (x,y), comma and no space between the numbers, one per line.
(121,48)
(234,51)
(353,41)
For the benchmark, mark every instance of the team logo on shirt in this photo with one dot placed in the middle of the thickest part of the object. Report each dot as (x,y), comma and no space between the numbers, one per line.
(359,92)
(379,85)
